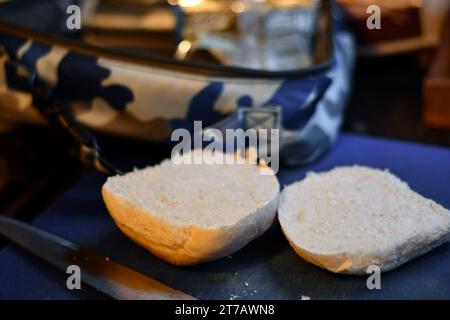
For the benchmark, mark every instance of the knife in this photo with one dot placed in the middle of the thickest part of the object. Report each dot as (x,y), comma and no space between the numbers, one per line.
(100,272)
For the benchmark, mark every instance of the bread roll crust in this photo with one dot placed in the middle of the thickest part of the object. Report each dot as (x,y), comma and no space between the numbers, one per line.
(377,219)
(190,244)
(186,243)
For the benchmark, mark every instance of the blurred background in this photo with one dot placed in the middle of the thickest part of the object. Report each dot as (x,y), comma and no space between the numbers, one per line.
(400,86)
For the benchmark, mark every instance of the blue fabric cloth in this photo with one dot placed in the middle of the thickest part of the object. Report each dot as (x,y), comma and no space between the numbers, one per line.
(268,264)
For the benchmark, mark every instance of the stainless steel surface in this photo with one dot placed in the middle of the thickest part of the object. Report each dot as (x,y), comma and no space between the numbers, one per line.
(100,272)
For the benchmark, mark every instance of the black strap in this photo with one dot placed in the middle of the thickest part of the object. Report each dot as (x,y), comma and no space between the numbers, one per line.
(60,117)
(80,140)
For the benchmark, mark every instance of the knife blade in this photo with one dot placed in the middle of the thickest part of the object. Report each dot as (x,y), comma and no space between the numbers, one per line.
(100,272)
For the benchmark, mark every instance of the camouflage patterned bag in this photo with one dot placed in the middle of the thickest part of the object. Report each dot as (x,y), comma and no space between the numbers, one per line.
(147,98)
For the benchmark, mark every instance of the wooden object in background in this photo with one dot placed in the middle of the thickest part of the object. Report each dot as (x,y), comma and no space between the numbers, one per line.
(406,25)
(436,88)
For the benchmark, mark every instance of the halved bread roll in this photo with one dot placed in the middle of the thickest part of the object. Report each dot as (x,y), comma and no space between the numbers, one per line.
(350,218)
(191,213)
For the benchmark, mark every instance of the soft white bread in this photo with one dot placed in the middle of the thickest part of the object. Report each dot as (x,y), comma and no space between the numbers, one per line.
(191,213)
(350,218)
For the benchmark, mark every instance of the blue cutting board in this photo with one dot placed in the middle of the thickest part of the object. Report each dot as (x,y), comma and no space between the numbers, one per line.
(268,265)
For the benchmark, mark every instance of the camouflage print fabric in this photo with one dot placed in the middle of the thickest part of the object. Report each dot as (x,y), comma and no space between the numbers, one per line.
(148,103)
